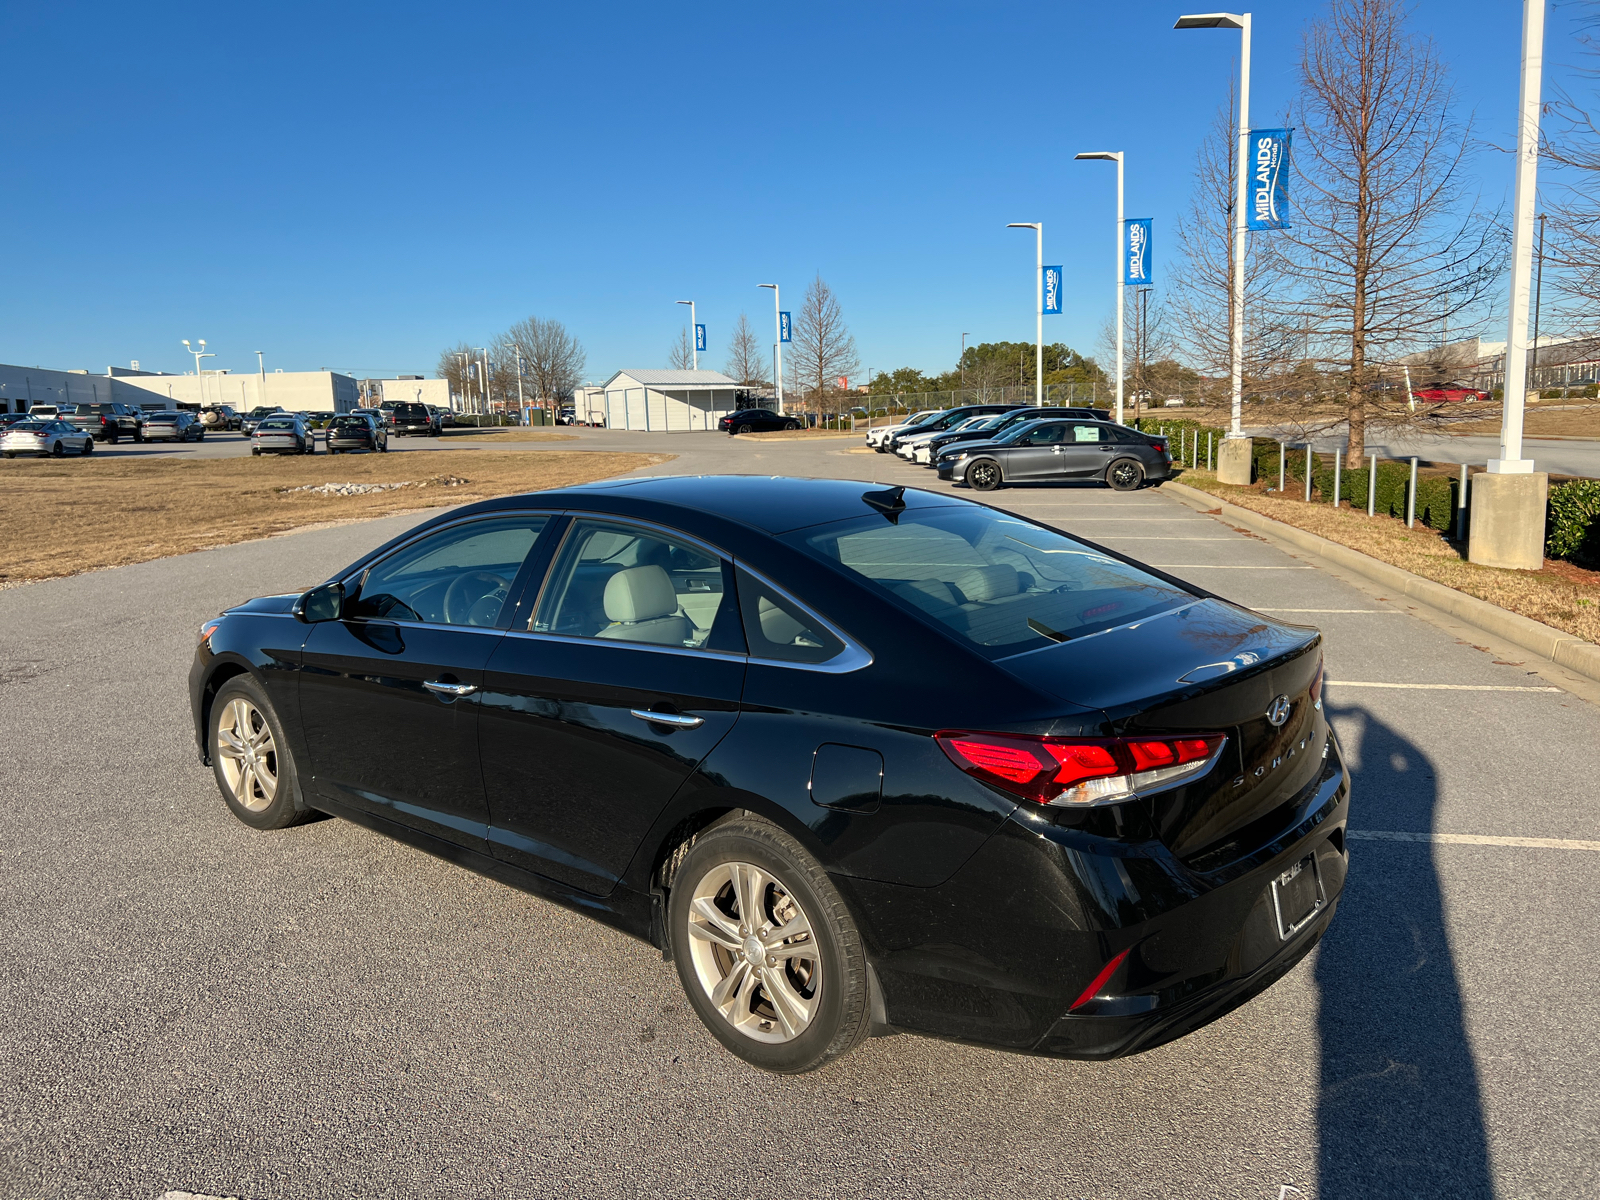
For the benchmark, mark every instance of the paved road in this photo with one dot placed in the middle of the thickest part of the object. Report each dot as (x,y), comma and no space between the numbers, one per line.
(189,1004)
(1558,456)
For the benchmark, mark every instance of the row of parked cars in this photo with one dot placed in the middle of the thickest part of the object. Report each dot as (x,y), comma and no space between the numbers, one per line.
(45,431)
(293,433)
(987,446)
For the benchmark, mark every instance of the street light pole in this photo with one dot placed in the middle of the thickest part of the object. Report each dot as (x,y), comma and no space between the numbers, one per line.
(964,337)
(1038,307)
(198,374)
(694,336)
(1116,157)
(1241,22)
(777,344)
(261,367)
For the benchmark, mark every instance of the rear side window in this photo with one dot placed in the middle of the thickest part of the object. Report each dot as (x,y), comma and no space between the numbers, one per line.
(998,583)
(780,630)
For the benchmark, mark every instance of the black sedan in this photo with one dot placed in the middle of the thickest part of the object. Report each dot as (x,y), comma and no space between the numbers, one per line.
(1059,451)
(857,760)
(350,432)
(756,420)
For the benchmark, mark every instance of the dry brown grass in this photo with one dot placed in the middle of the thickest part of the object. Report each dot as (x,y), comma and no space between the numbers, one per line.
(1561,422)
(1562,596)
(505,433)
(85,514)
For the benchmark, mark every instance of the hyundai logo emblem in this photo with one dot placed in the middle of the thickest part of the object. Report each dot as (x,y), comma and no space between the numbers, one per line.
(1279,711)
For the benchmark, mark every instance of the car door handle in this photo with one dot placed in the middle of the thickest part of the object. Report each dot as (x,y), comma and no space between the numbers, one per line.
(1107,449)
(451,689)
(676,720)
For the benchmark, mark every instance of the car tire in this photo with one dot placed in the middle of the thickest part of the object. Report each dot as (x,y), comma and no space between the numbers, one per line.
(984,475)
(138,437)
(743,429)
(10,454)
(88,447)
(252,762)
(256,450)
(1125,475)
(791,425)
(112,438)
(704,920)
(58,451)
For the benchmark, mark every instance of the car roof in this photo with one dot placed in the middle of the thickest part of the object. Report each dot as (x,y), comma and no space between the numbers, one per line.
(773,503)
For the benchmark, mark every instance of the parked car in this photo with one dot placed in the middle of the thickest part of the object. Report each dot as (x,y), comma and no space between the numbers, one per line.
(283,433)
(44,412)
(319,418)
(381,414)
(9,419)
(906,445)
(1057,451)
(756,420)
(178,425)
(53,438)
(928,452)
(356,431)
(854,759)
(407,418)
(567,416)
(878,436)
(948,419)
(108,422)
(446,418)
(256,415)
(221,416)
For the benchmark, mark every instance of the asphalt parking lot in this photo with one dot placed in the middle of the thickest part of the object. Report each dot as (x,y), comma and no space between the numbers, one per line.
(190,1004)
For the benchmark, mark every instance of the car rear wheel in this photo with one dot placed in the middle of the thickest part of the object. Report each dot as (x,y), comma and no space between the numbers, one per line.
(58,450)
(250,758)
(766,950)
(743,429)
(984,475)
(1125,475)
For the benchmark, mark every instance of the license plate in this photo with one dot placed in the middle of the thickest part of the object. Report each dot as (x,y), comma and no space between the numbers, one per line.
(1297,897)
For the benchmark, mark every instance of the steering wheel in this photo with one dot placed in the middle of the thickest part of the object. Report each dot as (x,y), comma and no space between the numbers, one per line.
(461,597)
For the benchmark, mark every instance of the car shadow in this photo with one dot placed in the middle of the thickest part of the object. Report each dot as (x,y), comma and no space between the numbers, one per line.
(1399,1110)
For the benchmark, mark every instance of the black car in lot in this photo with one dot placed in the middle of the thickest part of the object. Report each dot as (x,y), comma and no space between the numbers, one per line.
(407,418)
(858,760)
(1002,422)
(949,419)
(108,421)
(756,420)
(1052,451)
(351,432)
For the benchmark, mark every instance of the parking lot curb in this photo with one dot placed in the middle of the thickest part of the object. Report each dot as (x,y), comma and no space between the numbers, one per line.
(1558,646)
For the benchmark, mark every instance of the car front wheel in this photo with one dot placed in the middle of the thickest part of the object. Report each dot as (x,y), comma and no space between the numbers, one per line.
(1125,475)
(984,476)
(88,446)
(252,762)
(769,956)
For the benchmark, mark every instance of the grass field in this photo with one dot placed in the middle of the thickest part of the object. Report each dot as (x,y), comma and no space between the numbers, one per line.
(1566,421)
(1561,595)
(504,433)
(77,515)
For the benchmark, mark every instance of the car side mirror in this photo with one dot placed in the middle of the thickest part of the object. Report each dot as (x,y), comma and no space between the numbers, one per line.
(324,603)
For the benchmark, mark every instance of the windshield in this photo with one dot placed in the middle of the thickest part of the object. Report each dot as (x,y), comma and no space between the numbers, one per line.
(1001,584)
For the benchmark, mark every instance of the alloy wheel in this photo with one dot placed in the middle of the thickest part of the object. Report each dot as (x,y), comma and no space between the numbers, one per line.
(248,754)
(983,476)
(1126,475)
(754,952)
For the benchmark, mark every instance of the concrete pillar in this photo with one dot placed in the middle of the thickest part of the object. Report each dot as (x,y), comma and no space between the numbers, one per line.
(1234,457)
(1507,527)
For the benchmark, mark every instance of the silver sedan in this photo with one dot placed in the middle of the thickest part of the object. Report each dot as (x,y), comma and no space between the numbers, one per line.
(53,438)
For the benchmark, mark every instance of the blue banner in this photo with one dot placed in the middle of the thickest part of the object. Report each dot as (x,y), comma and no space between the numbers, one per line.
(1267,202)
(1138,268)
(783,327)
(1052,290)
(699,337)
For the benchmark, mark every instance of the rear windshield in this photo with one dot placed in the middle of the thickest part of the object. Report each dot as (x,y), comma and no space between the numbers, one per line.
(410,411)
(1001,584)
(351,423)
(277,423)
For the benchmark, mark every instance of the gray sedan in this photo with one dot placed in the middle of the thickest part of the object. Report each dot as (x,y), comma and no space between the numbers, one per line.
(52,438)
(285,433)
(1060,451)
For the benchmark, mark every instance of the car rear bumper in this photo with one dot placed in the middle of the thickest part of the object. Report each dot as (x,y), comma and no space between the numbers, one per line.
(1002,953)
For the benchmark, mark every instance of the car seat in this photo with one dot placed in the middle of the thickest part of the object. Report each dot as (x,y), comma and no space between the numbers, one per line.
(642,606)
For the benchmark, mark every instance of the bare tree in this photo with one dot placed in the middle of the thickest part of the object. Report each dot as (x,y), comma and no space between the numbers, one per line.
(747,357)
(552,360)
(1386,242)
(1572,149)
(823,348)
(681,356)
(455,365)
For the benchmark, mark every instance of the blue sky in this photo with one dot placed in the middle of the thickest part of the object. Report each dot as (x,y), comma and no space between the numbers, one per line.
(353,186)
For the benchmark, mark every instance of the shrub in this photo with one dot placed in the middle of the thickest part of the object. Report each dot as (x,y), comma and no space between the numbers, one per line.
(1572,530)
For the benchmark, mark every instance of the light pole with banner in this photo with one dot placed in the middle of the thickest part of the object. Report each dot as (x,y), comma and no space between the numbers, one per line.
(1038,308)
(781,323)
(1116,157)
(699,336)
(1231,462)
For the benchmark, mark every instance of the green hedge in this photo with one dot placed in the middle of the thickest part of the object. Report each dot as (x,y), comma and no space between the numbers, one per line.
(1572,530)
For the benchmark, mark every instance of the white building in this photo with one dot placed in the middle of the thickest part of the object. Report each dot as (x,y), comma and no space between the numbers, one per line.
(669,401)
(414,389)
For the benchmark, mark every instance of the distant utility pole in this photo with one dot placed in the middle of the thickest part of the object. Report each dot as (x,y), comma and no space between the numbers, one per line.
(777,346)
(694,336)
(198,355)
(1038,307)
(483,375)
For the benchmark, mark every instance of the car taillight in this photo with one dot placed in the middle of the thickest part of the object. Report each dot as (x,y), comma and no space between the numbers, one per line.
(1080,771)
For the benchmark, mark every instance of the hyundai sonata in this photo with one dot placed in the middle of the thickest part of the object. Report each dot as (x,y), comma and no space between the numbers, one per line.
(857,760)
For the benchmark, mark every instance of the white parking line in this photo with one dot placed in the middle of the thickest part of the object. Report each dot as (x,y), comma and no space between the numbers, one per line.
(1474,839)
(1441,687)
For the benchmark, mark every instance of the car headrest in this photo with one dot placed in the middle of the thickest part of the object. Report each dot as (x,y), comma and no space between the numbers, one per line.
(988,583)
(640,594)
(777,626)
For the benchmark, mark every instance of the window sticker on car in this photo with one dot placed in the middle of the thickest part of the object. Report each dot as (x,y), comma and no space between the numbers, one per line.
(1085,433)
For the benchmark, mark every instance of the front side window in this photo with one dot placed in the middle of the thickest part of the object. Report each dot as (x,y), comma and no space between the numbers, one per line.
(458,576)
(999,583)
(625,583)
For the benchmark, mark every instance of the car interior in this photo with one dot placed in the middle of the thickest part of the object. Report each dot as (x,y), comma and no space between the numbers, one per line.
(456,577)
